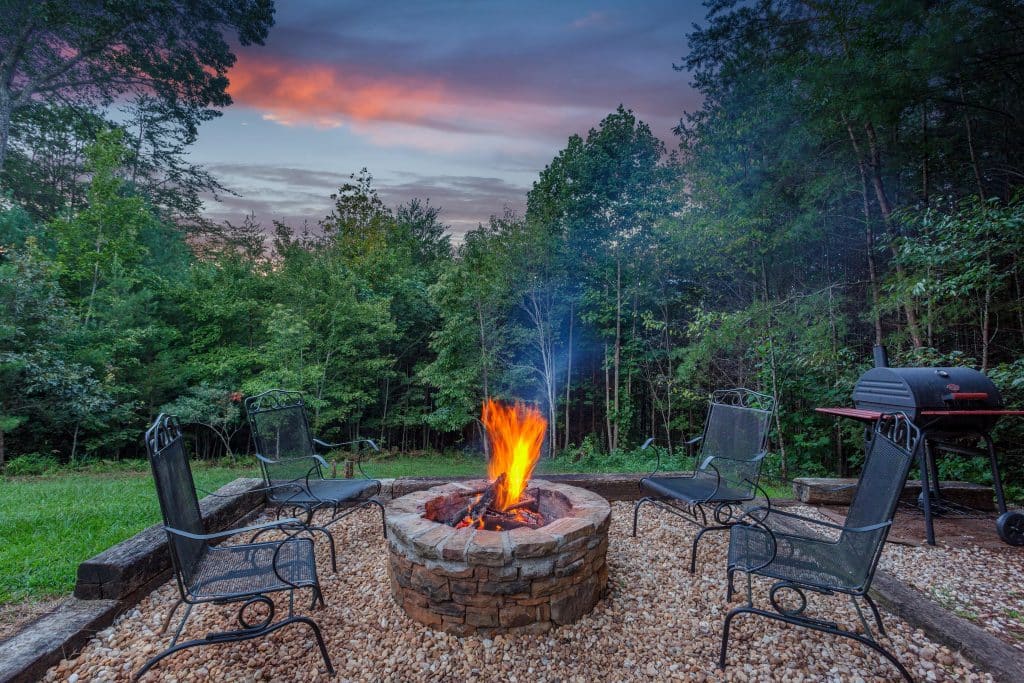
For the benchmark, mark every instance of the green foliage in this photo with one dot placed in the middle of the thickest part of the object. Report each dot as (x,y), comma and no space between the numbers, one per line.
(850,177)
(31,464)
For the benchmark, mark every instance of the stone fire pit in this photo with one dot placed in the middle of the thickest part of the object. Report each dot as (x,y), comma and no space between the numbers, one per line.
(469,580)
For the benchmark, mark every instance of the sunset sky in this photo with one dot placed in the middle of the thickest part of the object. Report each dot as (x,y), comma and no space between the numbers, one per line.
(462,102)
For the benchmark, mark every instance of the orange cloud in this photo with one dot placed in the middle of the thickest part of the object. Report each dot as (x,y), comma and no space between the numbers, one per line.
(393,110)
(328,97)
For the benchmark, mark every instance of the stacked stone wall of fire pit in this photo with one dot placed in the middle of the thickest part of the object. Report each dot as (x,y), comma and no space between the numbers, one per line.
(466,581)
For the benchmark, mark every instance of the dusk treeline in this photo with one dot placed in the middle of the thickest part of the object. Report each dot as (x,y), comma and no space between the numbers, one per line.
(851,178)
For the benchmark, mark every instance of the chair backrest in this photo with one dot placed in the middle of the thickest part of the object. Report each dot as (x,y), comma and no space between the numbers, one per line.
(893,447)
(177,494)
(736,434)
(281,432)
(894,444)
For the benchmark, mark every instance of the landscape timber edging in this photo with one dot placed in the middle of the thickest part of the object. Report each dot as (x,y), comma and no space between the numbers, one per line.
(37,646)
(110,583)
(992,655)
(836,491)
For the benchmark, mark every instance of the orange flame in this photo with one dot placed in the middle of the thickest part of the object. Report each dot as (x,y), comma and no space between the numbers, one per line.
(516,434)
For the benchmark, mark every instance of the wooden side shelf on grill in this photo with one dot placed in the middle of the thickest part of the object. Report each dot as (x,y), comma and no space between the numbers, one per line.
(854,413)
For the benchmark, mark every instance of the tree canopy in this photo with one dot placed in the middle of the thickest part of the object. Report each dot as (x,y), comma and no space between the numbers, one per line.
(853,176)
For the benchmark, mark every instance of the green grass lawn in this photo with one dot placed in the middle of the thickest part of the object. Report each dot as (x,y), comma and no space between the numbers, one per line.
(49,524)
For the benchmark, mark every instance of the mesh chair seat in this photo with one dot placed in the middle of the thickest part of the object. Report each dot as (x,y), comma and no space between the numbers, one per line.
(250,569)
(330,491)
(695,489)
(810,560)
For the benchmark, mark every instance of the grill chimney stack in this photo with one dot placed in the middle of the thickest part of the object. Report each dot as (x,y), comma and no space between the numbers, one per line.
(881,356)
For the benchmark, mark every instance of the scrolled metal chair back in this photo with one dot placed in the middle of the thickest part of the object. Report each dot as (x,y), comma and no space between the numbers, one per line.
(894,443)
(736,434)
(280,430)
(176,492)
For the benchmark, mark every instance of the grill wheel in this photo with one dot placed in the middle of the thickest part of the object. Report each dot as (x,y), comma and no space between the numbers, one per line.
(1010,526)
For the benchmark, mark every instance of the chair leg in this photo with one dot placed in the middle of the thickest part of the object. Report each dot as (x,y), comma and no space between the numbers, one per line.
(170,613)
(807,623)
(239,636)
(330,545)
(729,590)
(318,596)
(383,517)
(696,540)
(725,633)
(878,616)
(365,503)
(636,511)
(181,624)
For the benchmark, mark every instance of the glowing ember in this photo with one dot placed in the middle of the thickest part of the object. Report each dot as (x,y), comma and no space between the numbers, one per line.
(516,434)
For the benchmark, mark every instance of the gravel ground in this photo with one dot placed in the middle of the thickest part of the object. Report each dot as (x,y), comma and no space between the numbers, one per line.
(986,588)
(657,622)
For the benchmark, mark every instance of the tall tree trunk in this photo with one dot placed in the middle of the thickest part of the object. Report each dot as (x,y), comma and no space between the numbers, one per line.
(568,376)
(607,397)
(384,412)
(985,327)
(1020,295)
(970,149)
(885,207)
(924,155)
(869,233)
(6,109)
(669,378)
(538,309)
(618,348)
(74,442)
(773,366)
(483,349)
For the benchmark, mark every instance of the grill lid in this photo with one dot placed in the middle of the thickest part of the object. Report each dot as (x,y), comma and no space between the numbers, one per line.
(913,390)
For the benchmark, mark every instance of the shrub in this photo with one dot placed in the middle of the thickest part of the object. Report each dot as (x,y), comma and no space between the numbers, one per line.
(31,464)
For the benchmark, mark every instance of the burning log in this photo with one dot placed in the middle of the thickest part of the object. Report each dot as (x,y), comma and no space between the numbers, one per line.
(473,513)
(487,498)
(524,502)
(482,513)
(502,522)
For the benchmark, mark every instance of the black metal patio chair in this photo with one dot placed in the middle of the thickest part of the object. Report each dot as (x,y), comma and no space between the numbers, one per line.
(233,574)
(728,466)
(805,555)
(293,472)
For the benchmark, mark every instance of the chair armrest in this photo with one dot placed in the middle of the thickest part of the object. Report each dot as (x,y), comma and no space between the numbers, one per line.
(327,444)
(757,458)
(359,455)
(818,522)
(314,457)
(231,532)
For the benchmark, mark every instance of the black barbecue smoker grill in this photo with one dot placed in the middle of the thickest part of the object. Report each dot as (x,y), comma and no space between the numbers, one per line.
(951,407)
